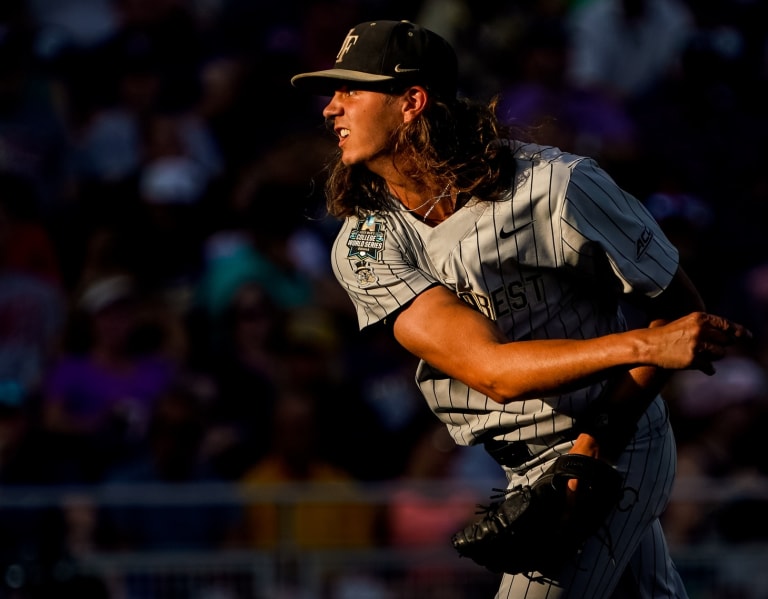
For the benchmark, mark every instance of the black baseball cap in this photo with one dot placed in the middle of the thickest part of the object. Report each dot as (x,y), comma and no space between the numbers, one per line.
(388,55)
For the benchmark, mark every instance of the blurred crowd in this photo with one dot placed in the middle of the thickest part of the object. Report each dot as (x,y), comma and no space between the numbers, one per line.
(167,310)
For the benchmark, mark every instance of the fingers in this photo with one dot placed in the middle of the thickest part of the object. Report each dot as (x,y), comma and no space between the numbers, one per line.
(729,330)
(717,334)
(695,341)
(699,339)
(737,331)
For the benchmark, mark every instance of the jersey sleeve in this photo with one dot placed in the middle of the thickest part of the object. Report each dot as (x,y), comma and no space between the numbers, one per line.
(377,266)
(598,217)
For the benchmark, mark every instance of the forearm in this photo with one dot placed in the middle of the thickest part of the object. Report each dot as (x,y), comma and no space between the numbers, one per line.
(518,370)
(459,341)
(521,370)
(611,420)
(636,363)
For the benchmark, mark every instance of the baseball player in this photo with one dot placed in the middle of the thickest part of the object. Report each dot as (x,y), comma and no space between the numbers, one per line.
(502,266)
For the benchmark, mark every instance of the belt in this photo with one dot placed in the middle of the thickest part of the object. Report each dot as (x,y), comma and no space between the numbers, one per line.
(508,453)
(514,453)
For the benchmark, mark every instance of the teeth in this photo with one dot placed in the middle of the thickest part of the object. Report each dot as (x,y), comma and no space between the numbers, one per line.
(343,133)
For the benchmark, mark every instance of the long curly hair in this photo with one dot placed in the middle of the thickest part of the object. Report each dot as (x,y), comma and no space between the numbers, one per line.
(461,143)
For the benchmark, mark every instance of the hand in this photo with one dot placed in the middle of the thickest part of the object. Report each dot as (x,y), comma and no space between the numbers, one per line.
(585,445)
(694,341)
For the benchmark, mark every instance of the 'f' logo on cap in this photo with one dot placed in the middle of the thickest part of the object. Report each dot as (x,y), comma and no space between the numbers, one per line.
(349,41)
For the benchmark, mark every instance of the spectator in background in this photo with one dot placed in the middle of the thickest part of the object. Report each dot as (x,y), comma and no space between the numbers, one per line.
(427,507)
(33,136)
(242,365)
(719,422)
(539,97)
(230,257)
(387,406)
(148,61)
(169,519)
(32,300)
(171,456)
(330,512)
(488,37)
(22,456)
(31,537)
(26,244)
(100,391)
(141,152)
(422,515)
(626,47)
(716,98)
(180,161)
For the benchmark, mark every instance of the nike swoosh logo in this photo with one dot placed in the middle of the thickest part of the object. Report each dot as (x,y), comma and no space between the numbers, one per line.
(399,69)
(505,234)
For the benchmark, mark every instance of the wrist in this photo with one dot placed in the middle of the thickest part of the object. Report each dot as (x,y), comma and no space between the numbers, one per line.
(586,444)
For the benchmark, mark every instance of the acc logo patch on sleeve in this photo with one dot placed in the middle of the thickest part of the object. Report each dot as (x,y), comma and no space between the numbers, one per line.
(643,242)
(365,244)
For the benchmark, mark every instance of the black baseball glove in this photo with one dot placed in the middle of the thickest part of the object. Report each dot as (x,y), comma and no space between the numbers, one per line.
(537,528)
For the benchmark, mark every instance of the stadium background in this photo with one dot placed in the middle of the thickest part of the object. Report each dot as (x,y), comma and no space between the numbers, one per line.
(186,407)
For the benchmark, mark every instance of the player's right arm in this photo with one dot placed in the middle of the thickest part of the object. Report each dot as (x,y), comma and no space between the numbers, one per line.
(447,333)
(629,393)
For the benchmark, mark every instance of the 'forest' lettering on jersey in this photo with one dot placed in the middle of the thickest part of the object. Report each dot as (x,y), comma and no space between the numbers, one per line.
(517,295)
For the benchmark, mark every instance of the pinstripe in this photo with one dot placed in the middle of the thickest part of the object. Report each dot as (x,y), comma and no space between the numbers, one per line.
(523,282)
(518,261)
(588,196)
(636,538)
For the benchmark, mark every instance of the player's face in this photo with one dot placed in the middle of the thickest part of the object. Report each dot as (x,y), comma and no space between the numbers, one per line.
(364,121)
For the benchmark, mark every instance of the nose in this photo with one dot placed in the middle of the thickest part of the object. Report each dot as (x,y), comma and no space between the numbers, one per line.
(332,108)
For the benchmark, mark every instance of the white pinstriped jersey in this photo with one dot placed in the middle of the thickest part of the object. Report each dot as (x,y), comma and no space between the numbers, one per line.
(548,261)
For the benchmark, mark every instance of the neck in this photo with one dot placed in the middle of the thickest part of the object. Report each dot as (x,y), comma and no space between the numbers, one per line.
(430,203)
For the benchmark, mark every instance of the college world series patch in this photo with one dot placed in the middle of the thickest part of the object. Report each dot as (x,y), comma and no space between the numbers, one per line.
(365,244)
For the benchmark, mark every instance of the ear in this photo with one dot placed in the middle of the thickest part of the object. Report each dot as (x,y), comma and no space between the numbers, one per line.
(414,102)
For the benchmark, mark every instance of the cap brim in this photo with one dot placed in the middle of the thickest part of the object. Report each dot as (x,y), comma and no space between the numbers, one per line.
(325,83)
